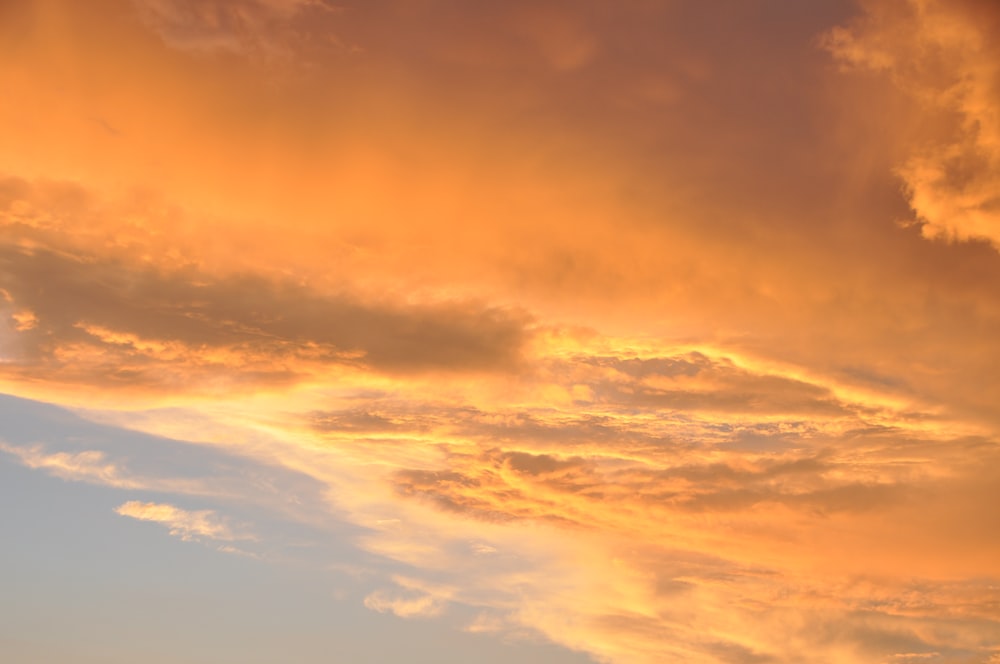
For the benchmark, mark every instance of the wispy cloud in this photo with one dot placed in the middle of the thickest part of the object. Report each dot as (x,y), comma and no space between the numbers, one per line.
(188,525)
(405,604)
(88,465)
(258,28)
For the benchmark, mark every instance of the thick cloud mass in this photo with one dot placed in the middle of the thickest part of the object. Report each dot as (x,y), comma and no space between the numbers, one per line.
(944,55)
(664,331)
(90,319)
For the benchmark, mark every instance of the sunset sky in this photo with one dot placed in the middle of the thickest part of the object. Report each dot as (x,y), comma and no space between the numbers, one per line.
(521,331)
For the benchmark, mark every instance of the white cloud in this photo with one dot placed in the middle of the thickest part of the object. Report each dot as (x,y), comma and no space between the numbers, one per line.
(413,598)
(422,606)
(87,466)
(188,525)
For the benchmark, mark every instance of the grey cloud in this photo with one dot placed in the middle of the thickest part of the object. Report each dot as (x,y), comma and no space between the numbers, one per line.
(453,492)
(71,295)
(474,485)
(363,420)
(538,464)
(876,634)
(736,653)
(676,389)
(534,428)
(661,383)
(689,364)
(668,638)
(853,497)
(266,29)
(738,393)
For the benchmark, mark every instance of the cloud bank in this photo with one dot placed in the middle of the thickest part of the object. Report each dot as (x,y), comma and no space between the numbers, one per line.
(944,56)
(626,326)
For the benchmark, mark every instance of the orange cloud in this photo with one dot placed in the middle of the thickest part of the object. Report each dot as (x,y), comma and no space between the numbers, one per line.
(944,56)
(125,322)
(598,321)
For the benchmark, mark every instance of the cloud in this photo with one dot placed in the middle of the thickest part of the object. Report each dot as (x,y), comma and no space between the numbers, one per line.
(88,465)
(625,598)
(694,532)
(411,598)
(421,606)
(697,382)
(634,546)
(747,417)
(134,325)
(190,526)
(260,28)
(944,55)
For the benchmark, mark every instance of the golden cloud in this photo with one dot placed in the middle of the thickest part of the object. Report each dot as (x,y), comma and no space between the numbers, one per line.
(944,55)
(596,320)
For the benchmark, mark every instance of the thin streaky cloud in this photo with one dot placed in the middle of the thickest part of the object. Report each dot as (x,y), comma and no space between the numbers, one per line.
(189,525)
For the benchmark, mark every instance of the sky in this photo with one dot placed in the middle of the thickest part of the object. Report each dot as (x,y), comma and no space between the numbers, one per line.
(533,331)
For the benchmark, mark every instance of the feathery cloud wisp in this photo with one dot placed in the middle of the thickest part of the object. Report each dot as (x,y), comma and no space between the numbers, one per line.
(187,525)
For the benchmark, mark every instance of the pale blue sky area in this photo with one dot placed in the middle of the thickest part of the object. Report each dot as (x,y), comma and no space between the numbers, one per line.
(83,584)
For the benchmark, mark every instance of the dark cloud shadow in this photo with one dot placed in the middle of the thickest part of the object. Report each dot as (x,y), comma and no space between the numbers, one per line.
(131,320)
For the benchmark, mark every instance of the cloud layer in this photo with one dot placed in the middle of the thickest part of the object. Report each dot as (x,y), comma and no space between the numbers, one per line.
(630,327)
(944,56)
